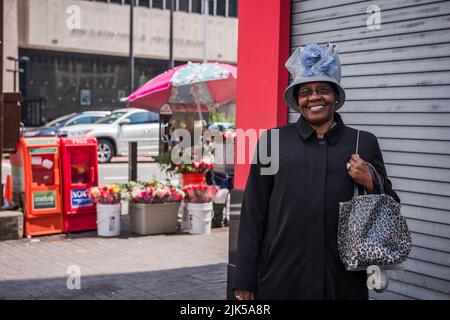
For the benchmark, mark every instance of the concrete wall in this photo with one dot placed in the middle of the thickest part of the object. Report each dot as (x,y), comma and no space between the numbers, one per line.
(95,27)
(10,42)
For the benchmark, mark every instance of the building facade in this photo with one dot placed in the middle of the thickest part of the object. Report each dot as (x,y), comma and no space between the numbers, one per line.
(396,73)
(77,51)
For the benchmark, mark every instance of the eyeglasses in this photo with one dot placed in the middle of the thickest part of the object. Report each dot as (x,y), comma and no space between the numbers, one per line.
(323,91)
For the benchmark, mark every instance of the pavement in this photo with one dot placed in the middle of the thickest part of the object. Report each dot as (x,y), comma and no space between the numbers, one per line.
(84,266)
(140,159)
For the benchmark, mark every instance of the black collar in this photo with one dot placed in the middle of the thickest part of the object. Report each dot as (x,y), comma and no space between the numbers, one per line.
(332,135)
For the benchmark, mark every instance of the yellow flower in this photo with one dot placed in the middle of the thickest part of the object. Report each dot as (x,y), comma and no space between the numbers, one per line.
(116,189)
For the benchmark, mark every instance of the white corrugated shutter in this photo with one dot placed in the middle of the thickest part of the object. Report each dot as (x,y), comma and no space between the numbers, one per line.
(397,81)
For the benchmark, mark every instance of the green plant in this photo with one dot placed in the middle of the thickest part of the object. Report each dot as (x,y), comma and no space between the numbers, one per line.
(200,161)
(220,117)
(164,161)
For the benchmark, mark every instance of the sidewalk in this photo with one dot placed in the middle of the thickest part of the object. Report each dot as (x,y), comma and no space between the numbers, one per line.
(140,159)
(178,266)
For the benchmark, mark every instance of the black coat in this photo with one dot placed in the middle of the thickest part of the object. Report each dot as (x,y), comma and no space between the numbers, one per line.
(287,242)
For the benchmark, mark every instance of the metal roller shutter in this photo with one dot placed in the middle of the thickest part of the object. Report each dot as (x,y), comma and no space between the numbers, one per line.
(397,81)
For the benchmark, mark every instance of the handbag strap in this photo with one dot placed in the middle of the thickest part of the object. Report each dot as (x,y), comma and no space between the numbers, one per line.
(373,172)
(355,186)
(375,176)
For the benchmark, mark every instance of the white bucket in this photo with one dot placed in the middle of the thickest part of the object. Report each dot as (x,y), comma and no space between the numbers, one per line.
(200,216)
(108,219)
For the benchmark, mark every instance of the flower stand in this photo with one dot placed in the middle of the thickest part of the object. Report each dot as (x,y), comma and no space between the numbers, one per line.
(108,219)
(153,218)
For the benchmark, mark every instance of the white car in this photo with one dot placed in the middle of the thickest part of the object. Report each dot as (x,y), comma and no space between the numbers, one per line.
(114,133)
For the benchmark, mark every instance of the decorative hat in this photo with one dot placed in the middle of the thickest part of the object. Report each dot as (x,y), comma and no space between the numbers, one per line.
(311,63)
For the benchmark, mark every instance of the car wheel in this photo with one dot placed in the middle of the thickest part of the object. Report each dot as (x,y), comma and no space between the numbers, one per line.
(105,151)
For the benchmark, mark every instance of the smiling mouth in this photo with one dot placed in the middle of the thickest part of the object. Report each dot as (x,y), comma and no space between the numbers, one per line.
(316,108)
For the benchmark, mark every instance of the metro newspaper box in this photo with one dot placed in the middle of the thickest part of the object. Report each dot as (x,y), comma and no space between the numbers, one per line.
(80,172)
(37,181)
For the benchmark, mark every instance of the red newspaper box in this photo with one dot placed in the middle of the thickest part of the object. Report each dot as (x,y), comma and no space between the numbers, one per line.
(80,172)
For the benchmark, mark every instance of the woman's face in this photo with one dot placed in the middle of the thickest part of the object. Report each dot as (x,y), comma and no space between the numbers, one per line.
(317,101)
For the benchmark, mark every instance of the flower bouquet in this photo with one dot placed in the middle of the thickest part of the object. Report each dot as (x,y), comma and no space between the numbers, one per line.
(109,194)
(196,193)
(109,210)
(201,166)
(155,191)
(200,207)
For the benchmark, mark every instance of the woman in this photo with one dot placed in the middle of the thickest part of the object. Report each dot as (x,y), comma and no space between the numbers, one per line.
(287,243)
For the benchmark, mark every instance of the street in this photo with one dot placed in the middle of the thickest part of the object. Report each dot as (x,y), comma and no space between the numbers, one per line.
(114,172)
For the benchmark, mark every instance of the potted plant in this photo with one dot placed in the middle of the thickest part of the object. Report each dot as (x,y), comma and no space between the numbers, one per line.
(153,206)
(192,171)
(107,199)
(200,207)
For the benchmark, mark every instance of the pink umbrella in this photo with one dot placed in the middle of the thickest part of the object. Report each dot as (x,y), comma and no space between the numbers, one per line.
(190,84)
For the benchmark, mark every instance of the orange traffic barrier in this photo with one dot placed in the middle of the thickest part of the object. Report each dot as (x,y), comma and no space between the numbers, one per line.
(8,188)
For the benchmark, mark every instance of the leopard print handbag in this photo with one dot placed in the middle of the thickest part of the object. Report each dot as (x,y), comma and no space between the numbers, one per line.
(371,230)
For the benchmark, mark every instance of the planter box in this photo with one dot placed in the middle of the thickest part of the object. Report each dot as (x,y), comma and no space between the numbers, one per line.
(155,218)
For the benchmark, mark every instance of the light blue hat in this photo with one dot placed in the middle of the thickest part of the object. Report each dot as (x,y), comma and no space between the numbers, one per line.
(311,63)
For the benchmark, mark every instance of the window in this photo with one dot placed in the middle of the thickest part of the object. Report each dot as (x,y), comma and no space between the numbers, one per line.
(144,3)
(80,120)
(157,4)
(233,8)
(95,118)
(154,117)
(221,8)
(169,4)
(43,167)
(141,117)
(85,97)
(110,119)
(197,6)
(211,7)
(61,121)
(183,5)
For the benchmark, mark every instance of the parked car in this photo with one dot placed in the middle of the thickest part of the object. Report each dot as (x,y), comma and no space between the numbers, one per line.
(53,128)
(222,126)
(114,132)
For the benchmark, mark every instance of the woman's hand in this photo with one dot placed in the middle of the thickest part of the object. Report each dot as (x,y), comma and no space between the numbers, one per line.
(244,295)
(360,172)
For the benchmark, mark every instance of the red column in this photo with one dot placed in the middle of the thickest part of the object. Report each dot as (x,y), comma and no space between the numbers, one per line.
(263,48)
